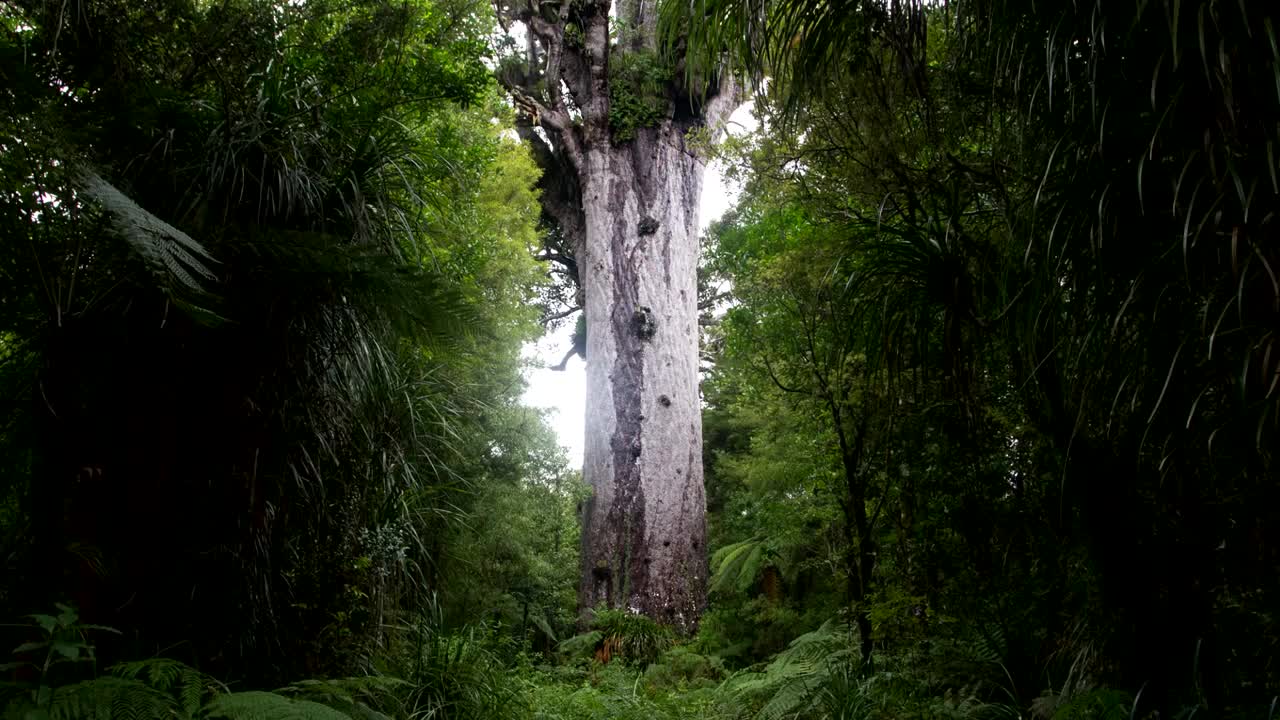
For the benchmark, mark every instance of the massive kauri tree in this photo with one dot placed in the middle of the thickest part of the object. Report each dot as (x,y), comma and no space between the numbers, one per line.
(610,117)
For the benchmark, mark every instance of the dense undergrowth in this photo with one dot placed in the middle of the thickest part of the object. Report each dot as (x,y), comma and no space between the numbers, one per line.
(626,668)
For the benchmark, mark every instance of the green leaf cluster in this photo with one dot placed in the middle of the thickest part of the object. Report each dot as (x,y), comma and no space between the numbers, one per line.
(638,81)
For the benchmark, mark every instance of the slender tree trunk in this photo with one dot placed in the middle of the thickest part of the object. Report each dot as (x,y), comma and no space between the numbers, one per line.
(644,530)
(860,554)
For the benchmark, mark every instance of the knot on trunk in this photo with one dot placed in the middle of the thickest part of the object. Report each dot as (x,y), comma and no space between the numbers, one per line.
(643,323)
(648,225)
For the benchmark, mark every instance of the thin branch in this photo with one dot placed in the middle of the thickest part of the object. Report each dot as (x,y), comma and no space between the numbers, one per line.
(773,376)
(564,363)
(550,256)
(551,118)
(560,315)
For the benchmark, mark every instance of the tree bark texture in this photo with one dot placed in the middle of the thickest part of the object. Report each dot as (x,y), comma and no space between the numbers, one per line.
(644,529)
(624,210)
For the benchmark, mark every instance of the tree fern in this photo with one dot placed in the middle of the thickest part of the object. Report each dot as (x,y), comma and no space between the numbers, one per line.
(580,645)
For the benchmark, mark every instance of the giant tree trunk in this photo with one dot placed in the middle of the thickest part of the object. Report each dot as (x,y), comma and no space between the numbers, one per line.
(624,216)
(644,531)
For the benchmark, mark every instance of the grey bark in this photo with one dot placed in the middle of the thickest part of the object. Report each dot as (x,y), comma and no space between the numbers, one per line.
(644,531)
(628,211)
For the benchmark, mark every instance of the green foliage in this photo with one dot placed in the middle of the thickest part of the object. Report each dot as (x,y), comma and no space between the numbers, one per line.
(580,335)
(105,697)
(171,253)
(515,562)
(638,81)
(163,688)
(737,566)
(581,646)
(453,673)
(288,246)
(680,668)
(1100,704)
(796,681)
(573,35)
(629,636)
(616,691)
(357,697)
(450,676)
(268,706)
(993,389)
(189,688)
(943,281)
(64,640)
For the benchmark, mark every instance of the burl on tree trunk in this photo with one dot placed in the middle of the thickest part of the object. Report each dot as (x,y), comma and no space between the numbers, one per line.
(622,199)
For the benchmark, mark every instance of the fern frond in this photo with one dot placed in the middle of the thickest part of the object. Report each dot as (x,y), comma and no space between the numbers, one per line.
(580,645)
(792,699)
(268,706)
(357,696)
(797,679)
(12,694)
(172,254)
(109,698)
(736,566)
(188,687)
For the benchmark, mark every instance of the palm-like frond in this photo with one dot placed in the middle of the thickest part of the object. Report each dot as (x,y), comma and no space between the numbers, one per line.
(358,697)
(162,688)
(795,44)
(737,565)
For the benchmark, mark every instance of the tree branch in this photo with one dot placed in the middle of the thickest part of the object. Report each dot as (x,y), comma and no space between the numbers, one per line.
(772,376)
(560,315)
(710,302)
(560,197)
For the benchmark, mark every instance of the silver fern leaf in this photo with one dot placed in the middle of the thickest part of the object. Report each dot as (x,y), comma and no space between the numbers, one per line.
(172,254)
